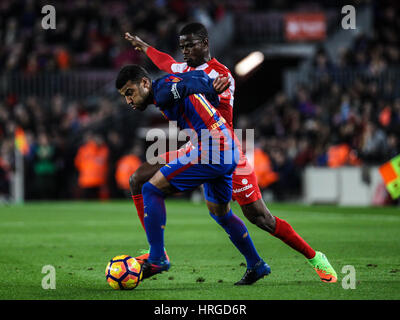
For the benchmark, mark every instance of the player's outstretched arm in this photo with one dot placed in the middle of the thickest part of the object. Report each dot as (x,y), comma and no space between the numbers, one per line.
(137,43)
(162,60)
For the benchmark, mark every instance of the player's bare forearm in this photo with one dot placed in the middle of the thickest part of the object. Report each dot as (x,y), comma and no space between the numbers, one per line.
(137,43)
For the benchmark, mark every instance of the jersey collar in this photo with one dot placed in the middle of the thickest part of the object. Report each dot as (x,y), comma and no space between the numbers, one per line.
(205,65)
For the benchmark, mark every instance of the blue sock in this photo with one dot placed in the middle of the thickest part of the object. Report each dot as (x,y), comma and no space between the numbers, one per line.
(239,236)
(154,220)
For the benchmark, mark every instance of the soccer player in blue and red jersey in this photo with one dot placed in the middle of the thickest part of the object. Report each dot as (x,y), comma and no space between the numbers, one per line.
(178,97)
(193,42)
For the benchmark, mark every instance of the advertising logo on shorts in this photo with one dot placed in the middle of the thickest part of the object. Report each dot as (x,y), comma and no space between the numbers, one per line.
(246,187)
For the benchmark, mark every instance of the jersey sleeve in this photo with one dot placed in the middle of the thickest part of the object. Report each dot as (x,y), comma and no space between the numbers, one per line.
(225,97)
(179,86)
(164,61)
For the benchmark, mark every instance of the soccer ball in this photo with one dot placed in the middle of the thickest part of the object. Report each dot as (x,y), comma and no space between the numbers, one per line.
(123,273)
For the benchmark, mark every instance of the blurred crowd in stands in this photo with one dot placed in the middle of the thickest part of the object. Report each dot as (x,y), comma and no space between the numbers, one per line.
(89,33)
(73,150)
(330,122)
(79,148)
(349,114)
(327,126)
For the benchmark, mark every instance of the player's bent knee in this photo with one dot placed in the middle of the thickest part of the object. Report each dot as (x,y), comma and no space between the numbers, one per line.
(218,209)
(135,183)
(132,180)
(139,178)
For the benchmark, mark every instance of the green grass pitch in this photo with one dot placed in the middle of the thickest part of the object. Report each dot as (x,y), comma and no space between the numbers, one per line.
(78,239)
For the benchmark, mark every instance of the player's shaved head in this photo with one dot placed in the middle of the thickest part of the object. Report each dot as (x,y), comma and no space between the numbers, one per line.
(196,29)
(133,73)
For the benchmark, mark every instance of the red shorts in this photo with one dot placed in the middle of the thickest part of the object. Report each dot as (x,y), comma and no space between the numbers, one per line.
(244,180)
(244,183)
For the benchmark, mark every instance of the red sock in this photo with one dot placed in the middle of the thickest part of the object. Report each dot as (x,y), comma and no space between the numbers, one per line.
(138,201)
(285,232)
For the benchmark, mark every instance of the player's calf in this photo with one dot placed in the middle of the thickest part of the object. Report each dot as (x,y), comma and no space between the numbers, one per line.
(239,236)
(136,182)
(257,213)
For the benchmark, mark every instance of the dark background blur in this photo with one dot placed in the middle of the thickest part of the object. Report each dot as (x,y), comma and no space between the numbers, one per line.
(326,98)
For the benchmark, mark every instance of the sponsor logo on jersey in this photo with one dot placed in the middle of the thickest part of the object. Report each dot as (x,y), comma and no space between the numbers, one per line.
(172,78)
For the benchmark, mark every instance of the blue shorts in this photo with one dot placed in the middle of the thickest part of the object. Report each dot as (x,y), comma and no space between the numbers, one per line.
(186,175)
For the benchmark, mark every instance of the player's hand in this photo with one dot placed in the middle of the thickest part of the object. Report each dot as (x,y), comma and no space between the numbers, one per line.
(138,43)
(220,84)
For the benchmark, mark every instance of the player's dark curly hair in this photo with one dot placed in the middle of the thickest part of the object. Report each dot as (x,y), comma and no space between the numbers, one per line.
(195,28)
(132,72)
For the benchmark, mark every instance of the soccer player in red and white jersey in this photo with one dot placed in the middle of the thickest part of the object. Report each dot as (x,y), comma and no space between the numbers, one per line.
(193,42)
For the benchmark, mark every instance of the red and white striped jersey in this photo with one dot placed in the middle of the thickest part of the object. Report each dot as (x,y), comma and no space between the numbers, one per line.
(213,68)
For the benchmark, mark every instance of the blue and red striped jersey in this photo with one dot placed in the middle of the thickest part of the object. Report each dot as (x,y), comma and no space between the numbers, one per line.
(188,98)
